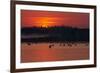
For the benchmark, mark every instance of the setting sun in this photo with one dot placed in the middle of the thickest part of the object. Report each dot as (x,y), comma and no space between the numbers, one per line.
(44,22)
(45,26)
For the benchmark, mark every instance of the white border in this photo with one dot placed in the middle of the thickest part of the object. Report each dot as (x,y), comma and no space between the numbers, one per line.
(20,65)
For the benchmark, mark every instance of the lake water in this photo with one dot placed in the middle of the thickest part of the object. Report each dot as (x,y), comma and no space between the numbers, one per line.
(43,52)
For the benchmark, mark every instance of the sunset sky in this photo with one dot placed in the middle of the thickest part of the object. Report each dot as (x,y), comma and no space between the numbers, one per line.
(33,18)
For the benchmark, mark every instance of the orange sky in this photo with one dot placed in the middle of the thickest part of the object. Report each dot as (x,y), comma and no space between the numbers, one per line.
(31,18)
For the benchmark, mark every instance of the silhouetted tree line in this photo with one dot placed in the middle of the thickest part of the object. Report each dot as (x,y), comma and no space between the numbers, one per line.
(56,34)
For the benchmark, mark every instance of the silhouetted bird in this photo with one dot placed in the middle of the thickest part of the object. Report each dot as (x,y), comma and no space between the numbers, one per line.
(29,43)
(69,44)
(63,44)
(51,45)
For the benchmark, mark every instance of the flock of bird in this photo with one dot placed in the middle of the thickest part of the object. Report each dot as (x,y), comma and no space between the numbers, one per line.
(61,44)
